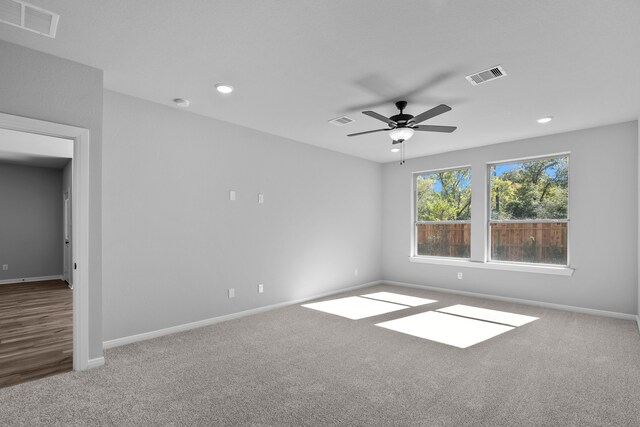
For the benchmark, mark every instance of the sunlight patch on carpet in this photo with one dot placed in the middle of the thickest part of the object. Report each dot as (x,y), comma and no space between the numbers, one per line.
(446,329)
(355,307)
(503,317)
(399,298)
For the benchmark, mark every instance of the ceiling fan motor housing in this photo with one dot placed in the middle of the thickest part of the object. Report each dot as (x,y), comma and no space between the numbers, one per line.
(401,119)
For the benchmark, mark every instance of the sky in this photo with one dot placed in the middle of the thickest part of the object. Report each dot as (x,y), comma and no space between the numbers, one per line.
(501,169)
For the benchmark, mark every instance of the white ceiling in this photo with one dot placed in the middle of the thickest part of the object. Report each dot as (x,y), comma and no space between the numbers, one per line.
(296,64)
(34,150)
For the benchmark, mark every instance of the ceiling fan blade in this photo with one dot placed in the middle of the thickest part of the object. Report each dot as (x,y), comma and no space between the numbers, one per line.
(435,111)
(379,117)
(431,128)
(389,93)
(369,131)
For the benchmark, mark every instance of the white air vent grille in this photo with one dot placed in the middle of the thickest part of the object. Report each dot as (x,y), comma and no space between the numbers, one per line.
(486,75)
(29,17)
(341,121)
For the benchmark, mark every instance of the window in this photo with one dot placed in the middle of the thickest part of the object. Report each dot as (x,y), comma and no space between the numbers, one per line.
(529,204)
(443,213)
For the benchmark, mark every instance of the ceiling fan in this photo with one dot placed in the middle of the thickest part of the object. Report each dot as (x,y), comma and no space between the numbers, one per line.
(402,126)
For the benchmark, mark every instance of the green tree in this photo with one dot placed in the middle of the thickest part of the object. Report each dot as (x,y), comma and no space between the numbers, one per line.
(444,196)
(531,190)
(503,192)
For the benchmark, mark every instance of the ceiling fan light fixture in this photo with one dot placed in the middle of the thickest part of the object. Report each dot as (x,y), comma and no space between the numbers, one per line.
(401,134)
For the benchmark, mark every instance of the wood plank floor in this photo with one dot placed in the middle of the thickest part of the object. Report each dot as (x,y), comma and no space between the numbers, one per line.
(36,336)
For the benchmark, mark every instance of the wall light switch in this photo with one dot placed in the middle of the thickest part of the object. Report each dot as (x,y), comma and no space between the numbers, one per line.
(232,292)
(5,266)
(260,198)
(260,288)
(232,195)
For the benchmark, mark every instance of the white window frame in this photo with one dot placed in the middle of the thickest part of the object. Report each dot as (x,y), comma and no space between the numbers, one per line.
(415,222)
(527,221)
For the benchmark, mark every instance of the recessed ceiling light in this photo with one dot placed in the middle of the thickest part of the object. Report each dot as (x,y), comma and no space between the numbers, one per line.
(545,119)
(395,149)
(181,102)
(224,88)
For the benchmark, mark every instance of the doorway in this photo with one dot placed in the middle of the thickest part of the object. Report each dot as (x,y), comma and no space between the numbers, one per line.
(36,316)
(79,235)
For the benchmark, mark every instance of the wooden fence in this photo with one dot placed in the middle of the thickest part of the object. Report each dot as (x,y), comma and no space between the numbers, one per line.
(447,240)
(540,242)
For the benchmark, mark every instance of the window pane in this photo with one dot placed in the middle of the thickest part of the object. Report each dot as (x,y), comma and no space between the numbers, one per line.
(531,242)
(536,189)
(445,240)
(444,196)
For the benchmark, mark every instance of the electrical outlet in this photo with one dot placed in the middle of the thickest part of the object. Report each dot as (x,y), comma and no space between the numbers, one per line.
(260,288)
(355,272)
(260,198)
(459,276)
(232,292)
(232,195)
(5,266)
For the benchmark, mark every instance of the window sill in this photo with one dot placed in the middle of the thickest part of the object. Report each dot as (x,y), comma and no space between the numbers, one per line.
(526,268)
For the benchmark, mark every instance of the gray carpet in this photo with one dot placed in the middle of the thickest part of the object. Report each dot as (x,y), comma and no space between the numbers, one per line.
(296,366)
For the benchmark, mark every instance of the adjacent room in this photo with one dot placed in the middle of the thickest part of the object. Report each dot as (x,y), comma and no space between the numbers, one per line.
(319,213)
(35,249)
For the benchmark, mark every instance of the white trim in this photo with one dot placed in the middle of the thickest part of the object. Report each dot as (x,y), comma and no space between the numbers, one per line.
(529,158)
(572,308)
(525,268)
(211,321)
(95,363)
(436,170)
(80,226)
(638,322)
(30,279)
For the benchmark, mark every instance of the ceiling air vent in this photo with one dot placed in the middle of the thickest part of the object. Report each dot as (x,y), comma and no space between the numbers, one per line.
(486,75)
(29,17)
(341,121)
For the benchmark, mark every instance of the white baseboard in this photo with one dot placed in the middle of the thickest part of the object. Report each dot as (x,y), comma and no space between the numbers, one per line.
(206,322)
(95,363)
(29,279)
(592,311)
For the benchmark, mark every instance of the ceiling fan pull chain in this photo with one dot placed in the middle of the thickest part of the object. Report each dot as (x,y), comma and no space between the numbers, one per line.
(402,153)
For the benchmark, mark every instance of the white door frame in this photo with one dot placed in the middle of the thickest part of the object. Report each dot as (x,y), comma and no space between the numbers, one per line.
(66,231)
(80,225)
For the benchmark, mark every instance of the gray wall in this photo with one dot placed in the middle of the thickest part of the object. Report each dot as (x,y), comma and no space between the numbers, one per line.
(173,243)
(30,221)
(604,221)
(44,87)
